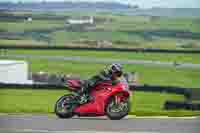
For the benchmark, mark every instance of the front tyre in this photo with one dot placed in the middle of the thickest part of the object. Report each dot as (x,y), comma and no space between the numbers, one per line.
(64,106)
(116,110)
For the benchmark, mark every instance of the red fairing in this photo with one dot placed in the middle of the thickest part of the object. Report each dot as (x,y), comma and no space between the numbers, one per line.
(73,84)
(100,94)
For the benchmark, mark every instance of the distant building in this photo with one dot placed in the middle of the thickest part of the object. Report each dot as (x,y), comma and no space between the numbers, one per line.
(29,19)
(89,20)
(104,44)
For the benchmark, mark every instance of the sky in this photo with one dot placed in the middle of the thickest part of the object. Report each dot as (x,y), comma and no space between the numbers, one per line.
(141,3)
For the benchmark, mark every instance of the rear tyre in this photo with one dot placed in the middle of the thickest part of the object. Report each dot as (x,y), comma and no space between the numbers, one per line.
(65,105)
(117,111)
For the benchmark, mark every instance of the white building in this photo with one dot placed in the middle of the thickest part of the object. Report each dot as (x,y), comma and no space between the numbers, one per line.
(81,21)
(29,19)
(14,72)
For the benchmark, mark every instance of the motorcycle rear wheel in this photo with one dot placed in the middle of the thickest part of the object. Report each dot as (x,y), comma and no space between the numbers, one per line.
(64,106)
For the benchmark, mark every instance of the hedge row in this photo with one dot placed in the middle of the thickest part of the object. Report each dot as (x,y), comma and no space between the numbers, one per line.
(169,105)
(31,47)
(164,89)
(32,86)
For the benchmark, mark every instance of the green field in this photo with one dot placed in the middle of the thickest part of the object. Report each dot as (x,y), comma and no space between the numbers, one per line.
(167,57)
(157,75)
(27,26)
(21,42)
(42,101)
(121,30)
(147,74)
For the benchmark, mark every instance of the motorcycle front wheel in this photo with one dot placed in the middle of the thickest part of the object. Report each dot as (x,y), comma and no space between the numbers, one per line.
(117,110)
(65,105)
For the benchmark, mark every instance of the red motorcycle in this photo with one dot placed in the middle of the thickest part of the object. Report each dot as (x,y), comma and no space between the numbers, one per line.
(105,99)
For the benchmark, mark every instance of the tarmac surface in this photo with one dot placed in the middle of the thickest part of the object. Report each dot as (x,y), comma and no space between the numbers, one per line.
(52,124)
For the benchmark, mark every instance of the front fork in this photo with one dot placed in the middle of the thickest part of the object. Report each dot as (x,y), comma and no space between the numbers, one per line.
(119,98)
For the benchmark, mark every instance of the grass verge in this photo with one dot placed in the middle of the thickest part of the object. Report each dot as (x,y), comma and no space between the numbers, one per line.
(169,57)
(42,101)
(168,76)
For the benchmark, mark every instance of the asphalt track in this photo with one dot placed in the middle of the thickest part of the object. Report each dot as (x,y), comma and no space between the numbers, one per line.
(105,60)
(51,124)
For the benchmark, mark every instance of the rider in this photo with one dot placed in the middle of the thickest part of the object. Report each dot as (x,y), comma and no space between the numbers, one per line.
(111,73)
